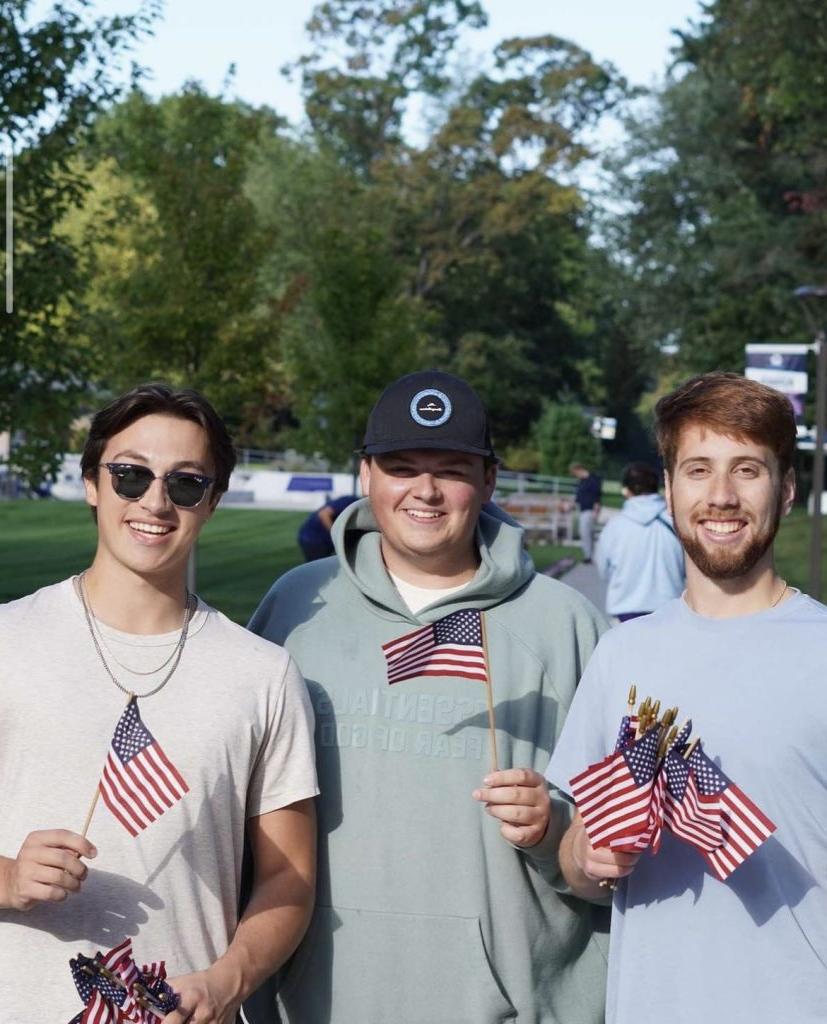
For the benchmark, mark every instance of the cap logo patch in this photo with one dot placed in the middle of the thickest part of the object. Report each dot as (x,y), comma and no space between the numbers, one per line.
(431,408)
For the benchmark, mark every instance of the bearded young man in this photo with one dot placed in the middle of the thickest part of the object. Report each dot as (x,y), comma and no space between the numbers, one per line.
(429,909)
(228,710)
(742,654)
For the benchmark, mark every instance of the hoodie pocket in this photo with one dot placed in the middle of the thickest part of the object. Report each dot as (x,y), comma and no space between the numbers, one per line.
(377,968)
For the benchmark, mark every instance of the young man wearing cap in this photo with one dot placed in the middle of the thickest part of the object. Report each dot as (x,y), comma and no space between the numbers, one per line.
(231,749)
(741,654)
(439,894)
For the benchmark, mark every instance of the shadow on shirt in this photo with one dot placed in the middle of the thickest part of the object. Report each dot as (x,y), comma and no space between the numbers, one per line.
(768,881)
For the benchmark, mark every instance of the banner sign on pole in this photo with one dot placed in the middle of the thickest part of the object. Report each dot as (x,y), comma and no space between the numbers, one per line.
(783,367)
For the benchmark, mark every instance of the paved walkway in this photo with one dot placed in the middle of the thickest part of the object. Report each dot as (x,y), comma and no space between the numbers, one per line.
(585,579)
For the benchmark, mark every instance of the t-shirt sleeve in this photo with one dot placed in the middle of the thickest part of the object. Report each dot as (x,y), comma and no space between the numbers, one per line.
(583,740)
(285,769)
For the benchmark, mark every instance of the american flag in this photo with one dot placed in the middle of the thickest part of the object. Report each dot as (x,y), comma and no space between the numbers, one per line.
(745,827)
(618,799)
(139,782)
(688,814)
(450,647)
(101,997)
(108,1002)
(626,733)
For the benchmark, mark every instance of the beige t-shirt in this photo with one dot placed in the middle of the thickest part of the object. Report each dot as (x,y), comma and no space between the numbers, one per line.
(236,722)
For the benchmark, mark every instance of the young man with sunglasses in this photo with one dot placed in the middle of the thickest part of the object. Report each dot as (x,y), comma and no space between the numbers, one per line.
(227,709)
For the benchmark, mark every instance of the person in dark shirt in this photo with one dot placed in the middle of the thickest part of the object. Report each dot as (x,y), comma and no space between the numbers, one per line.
(587,498)
(314,532)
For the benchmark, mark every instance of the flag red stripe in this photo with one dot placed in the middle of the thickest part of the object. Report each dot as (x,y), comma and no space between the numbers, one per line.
(142,768)
(154,778)
(467,654)
(454,650)
(171,771)
(420,650)
(404,641)
(125,793)
(114,799)
(132,770)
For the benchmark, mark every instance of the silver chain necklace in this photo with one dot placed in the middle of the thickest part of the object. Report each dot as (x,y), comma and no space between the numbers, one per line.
(175,657)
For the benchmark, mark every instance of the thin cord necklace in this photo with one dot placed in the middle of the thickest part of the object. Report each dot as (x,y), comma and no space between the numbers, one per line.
(176,654)
(784,590)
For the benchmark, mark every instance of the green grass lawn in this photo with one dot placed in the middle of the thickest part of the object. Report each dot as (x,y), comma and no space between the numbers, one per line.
(240,553)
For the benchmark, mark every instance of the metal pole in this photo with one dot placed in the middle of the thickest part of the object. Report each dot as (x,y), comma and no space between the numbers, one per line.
(818,464)
(9,227)
(192,571)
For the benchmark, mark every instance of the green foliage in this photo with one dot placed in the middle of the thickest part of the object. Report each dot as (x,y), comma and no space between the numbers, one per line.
(184,306)
(349,325)
(562,437)
(54,77)
(727,181)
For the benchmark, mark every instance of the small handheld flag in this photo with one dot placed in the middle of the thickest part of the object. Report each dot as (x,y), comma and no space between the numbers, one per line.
(453,646)
(139,782)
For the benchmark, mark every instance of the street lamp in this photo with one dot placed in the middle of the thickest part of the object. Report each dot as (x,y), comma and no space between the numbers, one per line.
(814,302)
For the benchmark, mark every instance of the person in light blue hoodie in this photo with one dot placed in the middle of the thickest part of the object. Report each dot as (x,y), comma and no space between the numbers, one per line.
(638,552)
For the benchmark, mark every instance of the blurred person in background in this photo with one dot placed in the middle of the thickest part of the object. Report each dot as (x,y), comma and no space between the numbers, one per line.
(587,497)
(638,553)
(314,533)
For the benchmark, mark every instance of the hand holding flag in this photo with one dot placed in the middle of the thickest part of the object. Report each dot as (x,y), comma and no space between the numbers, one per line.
(653,779)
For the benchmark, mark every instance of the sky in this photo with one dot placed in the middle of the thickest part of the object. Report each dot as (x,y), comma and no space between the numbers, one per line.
(200,38)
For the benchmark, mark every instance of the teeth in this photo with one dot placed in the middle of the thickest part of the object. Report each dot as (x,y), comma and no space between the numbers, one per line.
(721,527)
(421,514)
(150,528)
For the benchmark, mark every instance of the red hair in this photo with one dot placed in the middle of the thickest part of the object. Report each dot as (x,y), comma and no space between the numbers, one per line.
(728,404)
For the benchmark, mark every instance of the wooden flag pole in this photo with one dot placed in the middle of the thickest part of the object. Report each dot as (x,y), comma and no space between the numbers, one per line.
(492,725)
(91,812)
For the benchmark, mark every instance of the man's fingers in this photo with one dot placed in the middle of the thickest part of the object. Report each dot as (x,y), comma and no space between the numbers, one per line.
(518,814)
(56,877)
(52,857)
(514,777)
(60,839)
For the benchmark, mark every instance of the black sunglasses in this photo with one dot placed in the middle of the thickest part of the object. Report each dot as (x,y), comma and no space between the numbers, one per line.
(186,490)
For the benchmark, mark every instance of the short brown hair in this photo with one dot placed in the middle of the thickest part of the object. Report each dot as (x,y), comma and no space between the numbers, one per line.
(158,398)
(731,405)
(640,478)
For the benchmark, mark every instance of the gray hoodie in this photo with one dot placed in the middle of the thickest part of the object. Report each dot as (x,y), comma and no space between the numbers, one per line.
(425,915)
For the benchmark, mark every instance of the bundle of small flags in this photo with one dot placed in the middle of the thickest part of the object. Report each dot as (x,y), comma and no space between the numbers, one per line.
(656,778)
(114,991)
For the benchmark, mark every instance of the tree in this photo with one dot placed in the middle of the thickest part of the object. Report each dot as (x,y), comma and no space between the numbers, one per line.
(727,183)
(562,437)
(183,302)
(486,236)
(55,74)
(348,324)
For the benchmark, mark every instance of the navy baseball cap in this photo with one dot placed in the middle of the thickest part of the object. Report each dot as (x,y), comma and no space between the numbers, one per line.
(429,409)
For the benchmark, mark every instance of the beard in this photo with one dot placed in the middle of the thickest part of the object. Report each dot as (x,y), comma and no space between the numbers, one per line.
(723,564)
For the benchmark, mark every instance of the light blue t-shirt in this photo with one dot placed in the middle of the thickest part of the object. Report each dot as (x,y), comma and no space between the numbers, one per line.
(683,944)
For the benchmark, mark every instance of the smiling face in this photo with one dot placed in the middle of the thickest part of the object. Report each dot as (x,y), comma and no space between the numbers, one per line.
(426,505)
(150,536)
(727,498)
